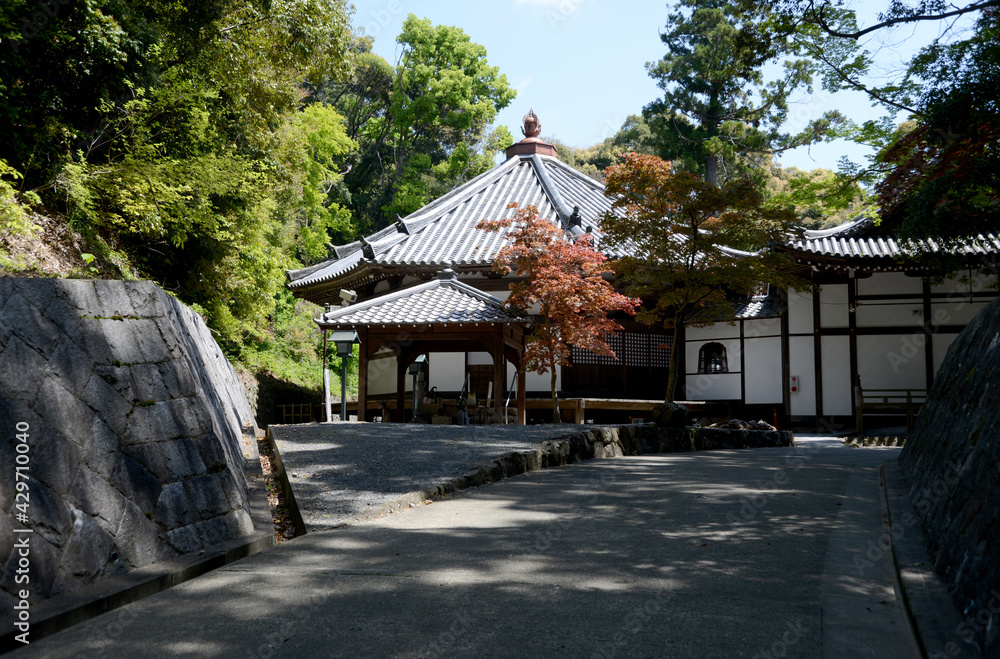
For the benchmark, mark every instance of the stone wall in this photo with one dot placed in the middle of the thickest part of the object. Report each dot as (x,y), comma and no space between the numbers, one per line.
(952,466)
(135,423)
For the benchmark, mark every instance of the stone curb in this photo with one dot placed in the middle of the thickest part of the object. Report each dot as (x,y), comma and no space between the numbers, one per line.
(64,611)
(936,623)
(605,442)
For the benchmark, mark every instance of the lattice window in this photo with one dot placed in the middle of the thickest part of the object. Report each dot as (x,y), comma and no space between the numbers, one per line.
(581,356)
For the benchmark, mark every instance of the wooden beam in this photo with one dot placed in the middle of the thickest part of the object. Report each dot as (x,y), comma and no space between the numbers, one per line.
(363,373)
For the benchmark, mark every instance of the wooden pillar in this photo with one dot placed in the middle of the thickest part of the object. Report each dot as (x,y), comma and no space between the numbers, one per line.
(327,404)
(400,388)
(496,349)
(363,374)
(522,404)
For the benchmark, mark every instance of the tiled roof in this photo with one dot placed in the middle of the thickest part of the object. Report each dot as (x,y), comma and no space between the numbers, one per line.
(443,301)
(758,306)
(860,239)
(443,232)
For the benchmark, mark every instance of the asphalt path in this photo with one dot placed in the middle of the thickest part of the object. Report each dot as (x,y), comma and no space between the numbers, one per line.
(750,553)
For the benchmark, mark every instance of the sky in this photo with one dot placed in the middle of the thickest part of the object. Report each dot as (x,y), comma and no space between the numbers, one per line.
(580,64)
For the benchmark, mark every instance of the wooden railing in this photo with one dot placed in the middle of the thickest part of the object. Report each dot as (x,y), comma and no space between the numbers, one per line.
(892,401)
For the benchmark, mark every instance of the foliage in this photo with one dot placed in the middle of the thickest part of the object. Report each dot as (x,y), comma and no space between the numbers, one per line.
(564,279)
(676,232)
(948,166)
(717,114)
(423,126)
(13,213)
(633,136)
(820,197)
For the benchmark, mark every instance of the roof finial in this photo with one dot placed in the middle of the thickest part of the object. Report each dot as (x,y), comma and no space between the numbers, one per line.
(532,126)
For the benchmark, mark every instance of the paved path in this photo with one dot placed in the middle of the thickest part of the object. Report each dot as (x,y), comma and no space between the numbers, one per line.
(341,472)
(747,553)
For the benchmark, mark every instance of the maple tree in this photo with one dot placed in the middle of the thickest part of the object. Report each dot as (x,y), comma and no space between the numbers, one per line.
(676,237)
(565,279)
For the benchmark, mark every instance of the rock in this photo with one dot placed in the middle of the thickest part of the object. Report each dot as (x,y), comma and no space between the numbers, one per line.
(951,463)
(670,415)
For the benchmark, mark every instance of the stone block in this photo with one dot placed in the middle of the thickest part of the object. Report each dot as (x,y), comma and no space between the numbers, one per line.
(184,540)
(98,499)
(183,459)
(212,452)
(206,497)
(118,378)
(140,487)
(147,383)
(63,411)
(70,365)
(191,416)
(151,458)
(114,299)
(54,461)
(178,379)
(65,583)
(27,323)
(81,294)
(136,537)
(670,415)
(50,515)
(88,550)
(42,572)
(151,344)
(6,537)
(173,509)
(63,315)
(109,404)
(92,341)
(102,449)
(38,292)
(146,298)
(21,369)
(121,339)
(163,551)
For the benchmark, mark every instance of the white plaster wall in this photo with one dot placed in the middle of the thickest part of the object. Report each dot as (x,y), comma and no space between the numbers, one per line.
(893,361)
(800,312)
(533,382)
(979,283)
(447,370)
(888,283)
(762,327)
(801,363)
(838,390)
(956,311)
(833,308)
(719,386)
(712,333)
(941,344)
(763,371)
(888,314)
(382,374)
(480,359)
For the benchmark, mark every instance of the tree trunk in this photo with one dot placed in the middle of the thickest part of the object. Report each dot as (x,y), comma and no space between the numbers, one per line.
(675,356)
(556,413)
(712,169)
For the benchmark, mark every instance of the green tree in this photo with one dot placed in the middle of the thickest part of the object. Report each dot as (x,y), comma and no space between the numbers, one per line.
(718,115)
(676,232)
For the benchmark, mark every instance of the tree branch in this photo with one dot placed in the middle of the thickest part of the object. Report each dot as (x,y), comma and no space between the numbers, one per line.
(821,21)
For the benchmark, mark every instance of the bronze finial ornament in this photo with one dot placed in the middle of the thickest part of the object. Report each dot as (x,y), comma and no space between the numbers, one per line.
(532,126)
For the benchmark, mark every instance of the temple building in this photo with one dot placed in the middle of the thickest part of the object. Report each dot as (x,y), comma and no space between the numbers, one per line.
(868,320)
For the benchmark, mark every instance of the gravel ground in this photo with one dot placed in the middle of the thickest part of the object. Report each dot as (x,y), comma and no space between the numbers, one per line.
(340,472)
